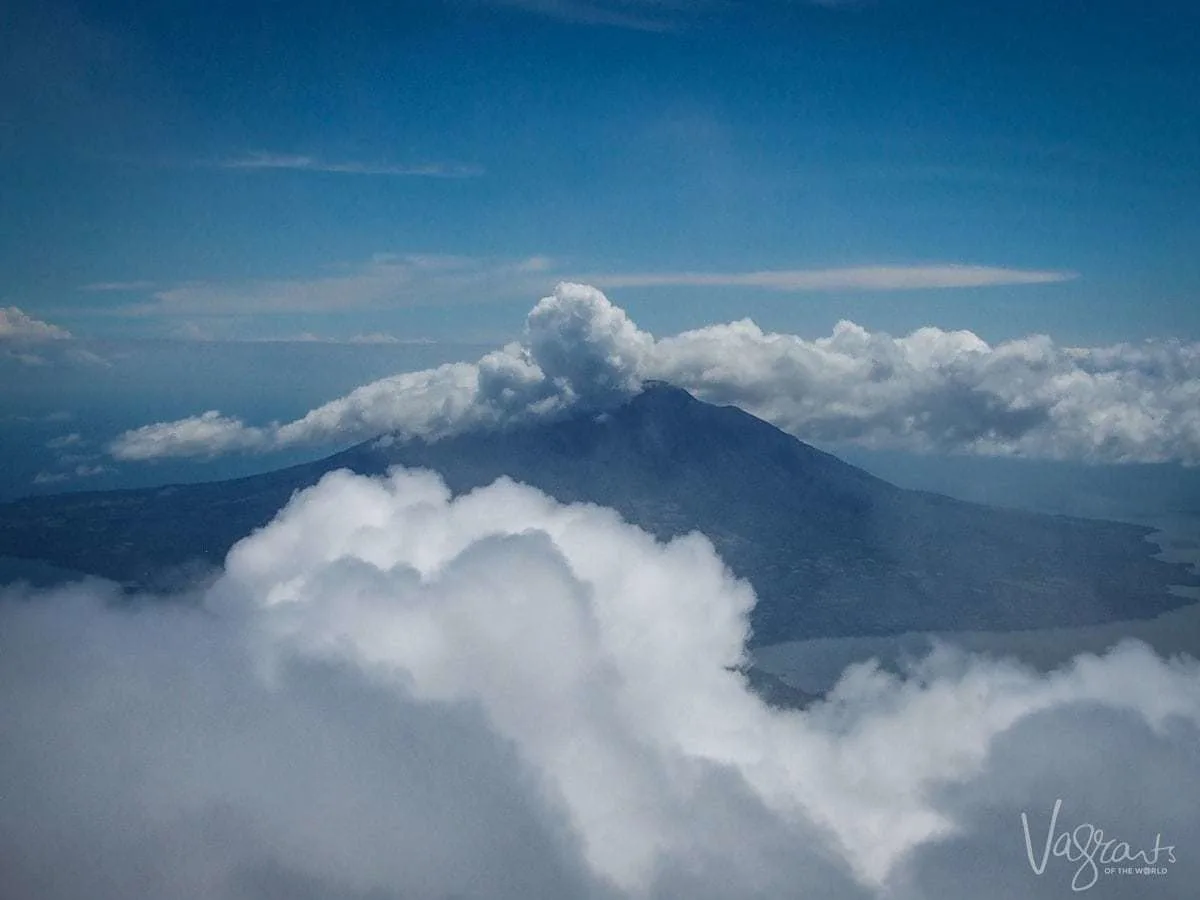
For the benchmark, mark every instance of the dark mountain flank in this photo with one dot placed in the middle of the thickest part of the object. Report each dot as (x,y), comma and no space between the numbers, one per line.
(830,549)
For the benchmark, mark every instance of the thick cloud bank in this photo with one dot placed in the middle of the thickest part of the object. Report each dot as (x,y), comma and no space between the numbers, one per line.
(932,390)
(390,693)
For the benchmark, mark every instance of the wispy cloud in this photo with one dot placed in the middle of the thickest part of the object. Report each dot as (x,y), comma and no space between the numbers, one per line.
(386,280)
(74,439)
(106,287)
(191,331)
(15,323)
(27,359)
(395,281)
(375,337)
(82,470)
(854,278)
(225,330)
(50,477)
(87,357)
(300,163)
(49,418)
(640,15)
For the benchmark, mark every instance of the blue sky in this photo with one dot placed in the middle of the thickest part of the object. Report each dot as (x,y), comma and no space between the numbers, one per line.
(427,169)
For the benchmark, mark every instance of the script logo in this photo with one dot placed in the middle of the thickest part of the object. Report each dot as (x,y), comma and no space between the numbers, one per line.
(1087,845)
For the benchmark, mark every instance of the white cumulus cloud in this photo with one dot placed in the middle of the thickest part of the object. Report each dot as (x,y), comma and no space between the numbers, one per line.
(392,693)
(931,390)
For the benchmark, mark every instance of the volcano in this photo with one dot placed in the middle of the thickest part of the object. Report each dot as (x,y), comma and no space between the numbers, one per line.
(830,549)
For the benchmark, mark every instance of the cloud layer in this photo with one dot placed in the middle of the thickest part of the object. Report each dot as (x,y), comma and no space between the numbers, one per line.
(932,390)
(391,693)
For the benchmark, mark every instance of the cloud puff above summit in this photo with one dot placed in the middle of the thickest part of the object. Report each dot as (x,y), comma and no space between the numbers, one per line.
(931,390)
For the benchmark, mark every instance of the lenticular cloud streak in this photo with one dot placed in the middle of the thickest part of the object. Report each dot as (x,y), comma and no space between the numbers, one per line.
(392,693)
(932,390)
